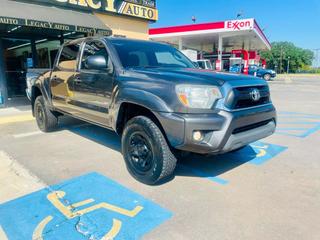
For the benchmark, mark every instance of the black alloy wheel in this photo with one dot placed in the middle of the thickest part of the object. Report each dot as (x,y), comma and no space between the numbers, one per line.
(146,152)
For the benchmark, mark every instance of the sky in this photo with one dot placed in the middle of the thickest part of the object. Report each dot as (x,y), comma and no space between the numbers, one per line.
(297,21)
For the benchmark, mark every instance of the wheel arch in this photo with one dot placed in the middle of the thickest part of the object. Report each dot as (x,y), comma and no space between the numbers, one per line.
(35,92)
(128,110)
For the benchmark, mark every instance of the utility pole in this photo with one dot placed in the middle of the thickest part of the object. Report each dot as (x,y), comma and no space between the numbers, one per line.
(288,65)
(316,57)
(280,60)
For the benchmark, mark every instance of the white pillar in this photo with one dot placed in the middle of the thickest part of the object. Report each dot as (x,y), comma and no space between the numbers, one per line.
(180,44)
(219,61)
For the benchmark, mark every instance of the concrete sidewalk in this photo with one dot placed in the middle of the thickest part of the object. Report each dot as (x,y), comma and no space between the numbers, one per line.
(15,114)
(16,181)
(289,78)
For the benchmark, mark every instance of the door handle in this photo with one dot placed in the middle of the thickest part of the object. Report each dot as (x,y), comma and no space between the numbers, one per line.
(77,80)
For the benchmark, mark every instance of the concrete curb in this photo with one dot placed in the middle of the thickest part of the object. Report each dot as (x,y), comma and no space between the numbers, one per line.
(16,180)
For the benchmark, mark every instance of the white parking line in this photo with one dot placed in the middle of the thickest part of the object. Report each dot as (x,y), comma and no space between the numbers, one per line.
(28,134)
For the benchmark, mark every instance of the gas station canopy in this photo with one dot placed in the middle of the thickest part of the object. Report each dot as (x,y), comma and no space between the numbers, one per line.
(220,42)
(233,34)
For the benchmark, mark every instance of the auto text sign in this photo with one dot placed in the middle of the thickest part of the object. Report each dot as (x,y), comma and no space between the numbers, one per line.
(87,207)
(237,25)
(145,9)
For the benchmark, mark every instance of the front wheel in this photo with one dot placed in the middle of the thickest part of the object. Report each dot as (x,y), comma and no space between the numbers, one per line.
(46,120)
(267,77)
(146,152)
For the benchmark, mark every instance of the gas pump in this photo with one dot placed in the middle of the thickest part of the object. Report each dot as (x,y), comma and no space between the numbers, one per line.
(245,59)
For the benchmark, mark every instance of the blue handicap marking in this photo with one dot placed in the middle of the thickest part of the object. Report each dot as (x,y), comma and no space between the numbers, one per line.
(213,167)
(88,207)
(297,124)
(258,153)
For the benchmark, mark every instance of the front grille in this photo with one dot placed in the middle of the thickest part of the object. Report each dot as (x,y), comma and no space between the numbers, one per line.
(241,97)
(251,126)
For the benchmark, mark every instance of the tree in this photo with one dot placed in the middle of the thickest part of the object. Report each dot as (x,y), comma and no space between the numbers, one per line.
(283,52)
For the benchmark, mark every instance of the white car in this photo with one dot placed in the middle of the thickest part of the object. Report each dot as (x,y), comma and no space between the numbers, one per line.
(205,64)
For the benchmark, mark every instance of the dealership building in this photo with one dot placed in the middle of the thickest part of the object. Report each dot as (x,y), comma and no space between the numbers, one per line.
(31,31)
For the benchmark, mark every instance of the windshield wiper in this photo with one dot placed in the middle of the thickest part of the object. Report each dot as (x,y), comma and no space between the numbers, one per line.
(147,66)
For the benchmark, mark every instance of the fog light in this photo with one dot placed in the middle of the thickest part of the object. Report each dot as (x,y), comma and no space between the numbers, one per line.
(197,136)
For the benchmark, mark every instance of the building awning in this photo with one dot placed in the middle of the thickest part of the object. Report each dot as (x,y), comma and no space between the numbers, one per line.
(51,18)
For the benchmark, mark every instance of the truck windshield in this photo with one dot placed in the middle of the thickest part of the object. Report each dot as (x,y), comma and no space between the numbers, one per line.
(144,54)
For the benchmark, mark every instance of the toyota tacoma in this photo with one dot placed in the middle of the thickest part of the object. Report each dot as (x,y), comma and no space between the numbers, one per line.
(154,97)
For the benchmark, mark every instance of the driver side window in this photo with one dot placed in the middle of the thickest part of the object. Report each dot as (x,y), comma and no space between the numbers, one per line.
(95,48)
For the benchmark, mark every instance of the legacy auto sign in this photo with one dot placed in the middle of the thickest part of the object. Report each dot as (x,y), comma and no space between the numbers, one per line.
(136,8)
(52,25)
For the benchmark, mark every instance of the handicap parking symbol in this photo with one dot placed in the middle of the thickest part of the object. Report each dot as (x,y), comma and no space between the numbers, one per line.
(87,207)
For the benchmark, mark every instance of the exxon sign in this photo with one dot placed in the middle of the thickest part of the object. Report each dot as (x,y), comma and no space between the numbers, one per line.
(236,25)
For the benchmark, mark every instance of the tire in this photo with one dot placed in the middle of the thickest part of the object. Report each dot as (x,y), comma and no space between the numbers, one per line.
(267,76)
(146,152)
(46,120)
(181,155)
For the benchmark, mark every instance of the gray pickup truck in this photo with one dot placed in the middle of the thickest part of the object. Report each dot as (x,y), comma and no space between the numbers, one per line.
(154,98)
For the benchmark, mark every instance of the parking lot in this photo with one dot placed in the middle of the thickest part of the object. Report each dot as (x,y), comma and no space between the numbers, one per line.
(268,190)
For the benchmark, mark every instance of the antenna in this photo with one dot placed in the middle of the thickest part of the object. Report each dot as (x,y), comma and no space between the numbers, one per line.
(194,19)
(240,14)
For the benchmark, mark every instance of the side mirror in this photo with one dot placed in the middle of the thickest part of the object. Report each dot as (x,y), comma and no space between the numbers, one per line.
(196,64)
(97,62)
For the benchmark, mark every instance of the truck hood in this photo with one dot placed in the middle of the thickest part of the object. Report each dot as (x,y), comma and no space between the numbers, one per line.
(190,75)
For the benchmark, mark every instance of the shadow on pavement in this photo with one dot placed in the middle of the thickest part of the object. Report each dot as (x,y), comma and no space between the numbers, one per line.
(214,165)
(191,166)
(96,134)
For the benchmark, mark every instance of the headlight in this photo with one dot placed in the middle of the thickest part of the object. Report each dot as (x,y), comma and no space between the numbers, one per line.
(198,96)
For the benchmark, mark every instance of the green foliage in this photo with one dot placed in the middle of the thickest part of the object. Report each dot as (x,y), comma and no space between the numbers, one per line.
(283,52)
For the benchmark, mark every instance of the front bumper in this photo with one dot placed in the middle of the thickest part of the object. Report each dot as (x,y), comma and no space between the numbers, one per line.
(223,131)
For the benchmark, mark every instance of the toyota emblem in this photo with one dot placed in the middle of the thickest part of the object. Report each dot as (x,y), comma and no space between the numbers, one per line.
(255,95)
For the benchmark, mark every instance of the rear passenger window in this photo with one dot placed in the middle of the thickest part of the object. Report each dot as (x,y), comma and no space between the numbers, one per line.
(68,57)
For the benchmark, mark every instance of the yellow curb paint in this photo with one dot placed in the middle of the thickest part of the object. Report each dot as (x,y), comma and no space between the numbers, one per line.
(16,119)
(3,236)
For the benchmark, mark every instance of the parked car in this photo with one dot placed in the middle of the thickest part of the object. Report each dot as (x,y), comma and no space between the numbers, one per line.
(255,70)
(236,68)
(205,64)
(266,74)
(153,97)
